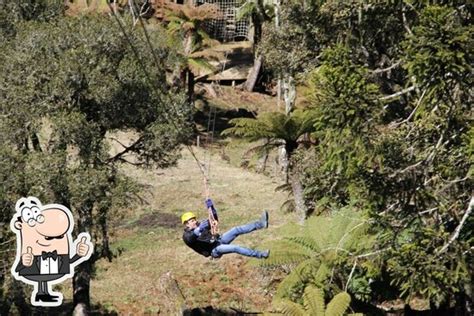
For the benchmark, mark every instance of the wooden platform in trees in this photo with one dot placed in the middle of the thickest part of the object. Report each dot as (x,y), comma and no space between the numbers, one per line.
(235,66)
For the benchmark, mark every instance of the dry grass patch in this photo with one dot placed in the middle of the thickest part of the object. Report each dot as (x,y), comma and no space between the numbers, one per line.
(231,98)
(151,243)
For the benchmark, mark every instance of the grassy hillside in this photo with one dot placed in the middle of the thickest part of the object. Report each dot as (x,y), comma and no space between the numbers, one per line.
(149,239)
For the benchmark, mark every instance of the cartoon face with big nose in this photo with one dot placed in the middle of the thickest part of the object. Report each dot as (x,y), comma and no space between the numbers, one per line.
(43,248)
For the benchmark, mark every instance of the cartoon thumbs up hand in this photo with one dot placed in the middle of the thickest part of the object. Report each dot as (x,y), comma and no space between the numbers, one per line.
(82,247)
(27,258)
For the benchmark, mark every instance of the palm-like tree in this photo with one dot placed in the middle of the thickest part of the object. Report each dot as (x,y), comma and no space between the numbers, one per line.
(318,247)
(187,21)
(277,129)
(259,12)
(313,304)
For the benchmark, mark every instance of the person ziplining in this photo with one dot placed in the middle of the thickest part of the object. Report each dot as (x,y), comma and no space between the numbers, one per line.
(198,236)
(202,236)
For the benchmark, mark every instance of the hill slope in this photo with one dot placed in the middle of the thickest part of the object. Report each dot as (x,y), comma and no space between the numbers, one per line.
(149,239)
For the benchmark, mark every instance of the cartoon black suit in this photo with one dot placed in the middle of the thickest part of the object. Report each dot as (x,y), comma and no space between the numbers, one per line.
(43,248)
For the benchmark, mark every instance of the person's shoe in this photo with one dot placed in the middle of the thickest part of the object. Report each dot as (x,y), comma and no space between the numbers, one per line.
(45,298)
(266,253)
(264,219)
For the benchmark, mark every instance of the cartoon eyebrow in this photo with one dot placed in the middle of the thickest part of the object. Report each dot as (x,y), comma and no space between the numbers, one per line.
(21,204)
(33,202)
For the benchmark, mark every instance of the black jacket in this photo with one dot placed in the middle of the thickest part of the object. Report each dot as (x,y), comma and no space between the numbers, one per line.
(34,269)
(202,244)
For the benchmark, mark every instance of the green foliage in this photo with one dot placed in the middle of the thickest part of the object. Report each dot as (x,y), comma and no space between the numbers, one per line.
(70,88)
(314,300)
(430,190)
(345,104)
(346,109)
(438,53)
(372,30)
(257,9)
(186,23)
(313,304)
(418,255)
(274,127)
(338,305)
(321,245)
(407,162)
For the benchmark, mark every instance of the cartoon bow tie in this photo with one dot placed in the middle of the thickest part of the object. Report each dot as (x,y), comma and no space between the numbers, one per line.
(45,255)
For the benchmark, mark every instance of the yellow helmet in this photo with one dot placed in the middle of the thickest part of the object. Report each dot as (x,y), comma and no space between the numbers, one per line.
(187,216)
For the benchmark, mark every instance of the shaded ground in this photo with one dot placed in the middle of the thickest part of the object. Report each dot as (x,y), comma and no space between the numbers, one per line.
(63,310)
(156,219)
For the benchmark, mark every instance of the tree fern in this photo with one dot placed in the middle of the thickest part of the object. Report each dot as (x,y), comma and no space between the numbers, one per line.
(287,307)
(286,252)
(338,305)
(313,304)
(323,245)
(306,242)
(313,299)
(310,271)
(274,126)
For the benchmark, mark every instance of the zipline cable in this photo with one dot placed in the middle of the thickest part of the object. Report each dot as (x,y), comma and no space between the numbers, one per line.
(148,77)
(213,221)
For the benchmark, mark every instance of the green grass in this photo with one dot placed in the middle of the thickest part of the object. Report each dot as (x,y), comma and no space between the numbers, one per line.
(151,246)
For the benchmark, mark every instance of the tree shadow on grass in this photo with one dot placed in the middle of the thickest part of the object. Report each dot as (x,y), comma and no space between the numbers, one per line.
(210,311)
(65,309)
(156,219)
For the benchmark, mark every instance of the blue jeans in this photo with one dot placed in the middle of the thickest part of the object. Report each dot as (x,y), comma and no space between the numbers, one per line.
(225,247)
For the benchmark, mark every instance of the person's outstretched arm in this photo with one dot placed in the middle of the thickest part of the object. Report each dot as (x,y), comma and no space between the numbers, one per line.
(210,205)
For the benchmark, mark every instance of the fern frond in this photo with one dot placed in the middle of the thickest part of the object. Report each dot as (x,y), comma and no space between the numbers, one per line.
(319,229)
(338,305)
(197,64)
(313,299)
(321,275)
(287,307)
(252,129)
(246,10)
(279,258)
(307,242)
(300,275)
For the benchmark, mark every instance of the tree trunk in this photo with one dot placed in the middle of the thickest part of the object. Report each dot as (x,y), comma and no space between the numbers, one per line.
(276,6)
(262,162)
(105,249)
(283,161)
(290,96)
(289,93)
(297,189)
(16,297)
(257,26)
(82,276)
(190,85)
(253,75)
(278,92)
(81,289)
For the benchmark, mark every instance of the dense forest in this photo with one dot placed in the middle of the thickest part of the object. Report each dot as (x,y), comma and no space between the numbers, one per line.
(375,137)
